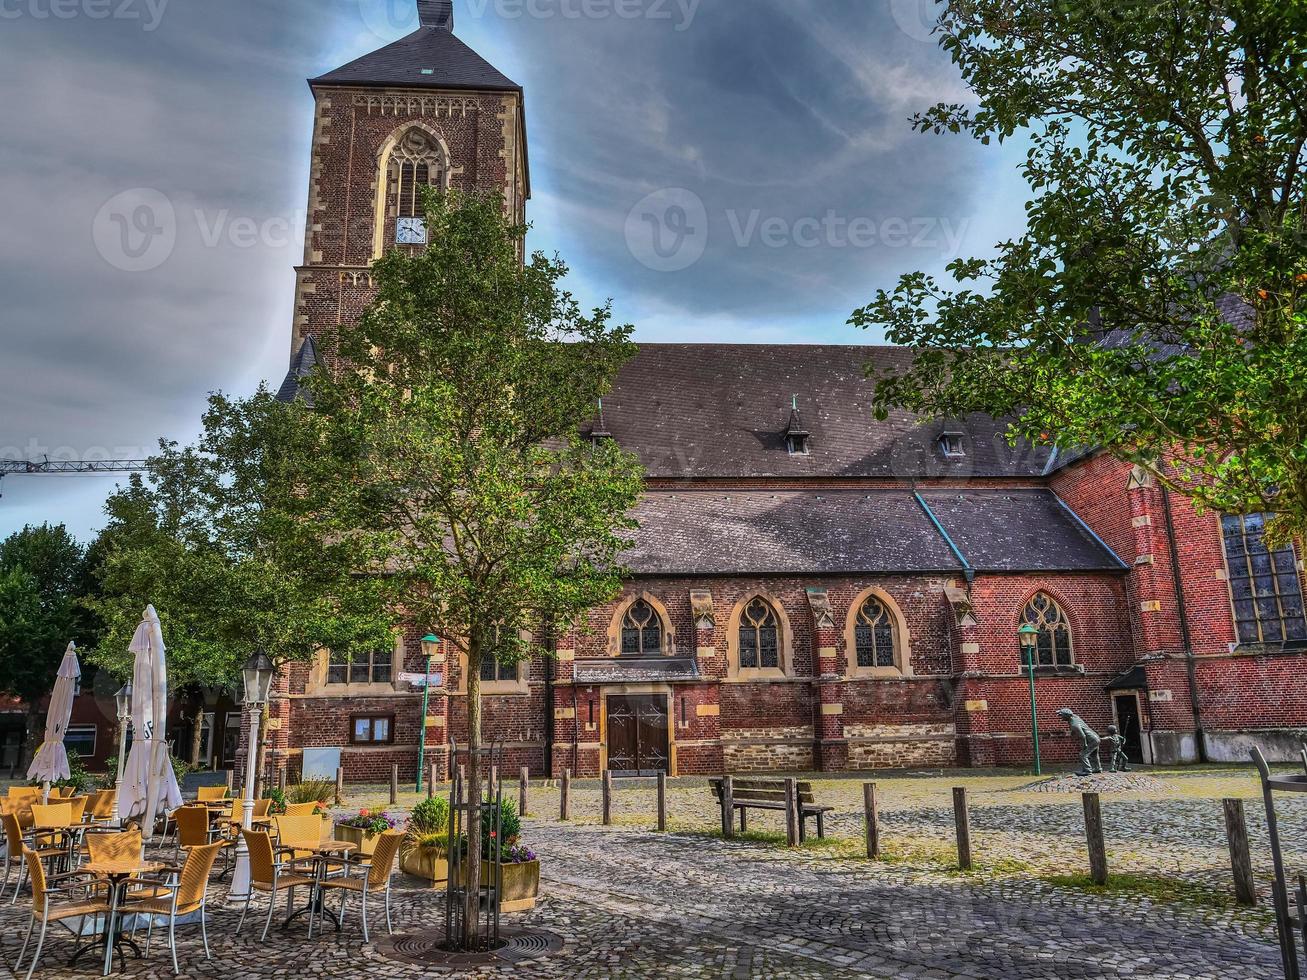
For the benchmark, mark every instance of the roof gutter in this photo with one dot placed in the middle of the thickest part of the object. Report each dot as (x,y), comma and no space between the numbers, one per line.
(967,570)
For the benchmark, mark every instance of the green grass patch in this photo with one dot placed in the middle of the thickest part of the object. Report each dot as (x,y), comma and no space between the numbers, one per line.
(1158,888)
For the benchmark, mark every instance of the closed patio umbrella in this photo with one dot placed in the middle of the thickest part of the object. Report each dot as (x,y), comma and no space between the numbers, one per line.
(149,781)
(51,761)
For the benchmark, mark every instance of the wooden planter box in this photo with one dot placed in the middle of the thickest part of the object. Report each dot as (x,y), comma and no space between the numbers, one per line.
(367,843)
(427,863)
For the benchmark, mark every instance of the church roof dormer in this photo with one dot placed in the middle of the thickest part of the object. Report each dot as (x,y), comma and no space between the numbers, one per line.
(430,57)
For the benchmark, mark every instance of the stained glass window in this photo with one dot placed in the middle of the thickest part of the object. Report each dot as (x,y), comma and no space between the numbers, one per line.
(642,630)
(1054,646)
(759,636)
(1264,584)
(873,635)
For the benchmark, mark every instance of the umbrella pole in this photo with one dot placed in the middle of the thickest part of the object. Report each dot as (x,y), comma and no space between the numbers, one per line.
(45,795)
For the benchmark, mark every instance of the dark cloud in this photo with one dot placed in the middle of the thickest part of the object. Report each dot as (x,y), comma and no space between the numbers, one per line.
(783,119)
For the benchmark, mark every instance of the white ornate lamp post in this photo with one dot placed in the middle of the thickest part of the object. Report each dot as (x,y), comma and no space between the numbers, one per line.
(124,700)
(257,674)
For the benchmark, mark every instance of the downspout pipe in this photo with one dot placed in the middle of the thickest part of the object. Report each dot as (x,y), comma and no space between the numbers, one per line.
(1186,639)
(967,570)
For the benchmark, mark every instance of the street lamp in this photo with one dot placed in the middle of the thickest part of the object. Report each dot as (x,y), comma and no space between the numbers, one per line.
(1029,636)
(257,674)
(124,700)
(430,644)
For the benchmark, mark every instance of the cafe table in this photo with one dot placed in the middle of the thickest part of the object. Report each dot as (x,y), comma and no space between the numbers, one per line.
(117,873)
(323,853)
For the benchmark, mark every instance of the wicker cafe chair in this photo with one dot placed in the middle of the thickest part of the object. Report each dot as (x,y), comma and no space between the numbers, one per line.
(52,816)
(298,830)
(15,845)
(186,892)
(114,847)
(269,875)
(300,809)
(206,794)
(194,830)
(102,805)
(377,879)
(78,804)
(43,890)
(17,793)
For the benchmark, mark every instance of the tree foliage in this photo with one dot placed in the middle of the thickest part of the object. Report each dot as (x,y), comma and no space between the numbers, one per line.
(1154,306)
(43,575)
(219,536)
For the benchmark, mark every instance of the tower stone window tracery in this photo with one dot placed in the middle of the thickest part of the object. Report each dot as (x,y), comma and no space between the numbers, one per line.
(642,630)
(417,161)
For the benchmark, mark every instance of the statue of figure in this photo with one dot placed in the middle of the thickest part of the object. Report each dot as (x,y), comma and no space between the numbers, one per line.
(1090,761)
(1120,761)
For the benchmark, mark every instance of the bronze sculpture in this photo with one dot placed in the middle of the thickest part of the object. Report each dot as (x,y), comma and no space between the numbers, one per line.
(1090,761)
(1120,762)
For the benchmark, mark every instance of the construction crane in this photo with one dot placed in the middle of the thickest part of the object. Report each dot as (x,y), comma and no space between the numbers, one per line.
(68,466)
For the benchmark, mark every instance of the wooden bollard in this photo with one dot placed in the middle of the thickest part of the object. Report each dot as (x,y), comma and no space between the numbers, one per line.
(728,807)
(394,784)
(871,810)
(431,783)
(792,812)
(565,797)
(521,791)
(281,780)
(231,776)
(608,797)
(962,821)
(1241,862)
(340,784)
(662,801)
(1094,835)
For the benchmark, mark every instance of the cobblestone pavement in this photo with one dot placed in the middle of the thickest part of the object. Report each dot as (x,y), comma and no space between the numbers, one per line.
(630,903)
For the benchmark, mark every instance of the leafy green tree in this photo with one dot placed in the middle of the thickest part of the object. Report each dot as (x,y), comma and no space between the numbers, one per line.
(43,575)
(1154,306)
(454,459)
(220,537)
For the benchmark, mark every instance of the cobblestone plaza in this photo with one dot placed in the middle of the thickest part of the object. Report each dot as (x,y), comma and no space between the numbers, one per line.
(627,901)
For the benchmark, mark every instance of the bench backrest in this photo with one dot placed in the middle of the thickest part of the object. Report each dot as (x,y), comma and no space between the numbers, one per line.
(760,790)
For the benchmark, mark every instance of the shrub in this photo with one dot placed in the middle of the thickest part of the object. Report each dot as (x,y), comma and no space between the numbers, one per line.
(278,798)
(371,822)
(312,791)
(510,829)
(430,816)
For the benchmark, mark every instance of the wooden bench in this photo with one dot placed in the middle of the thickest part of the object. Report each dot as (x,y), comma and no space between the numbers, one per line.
(769,794)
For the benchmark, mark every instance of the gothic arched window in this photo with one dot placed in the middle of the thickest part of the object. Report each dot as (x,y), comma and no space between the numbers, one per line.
(642,629)
(1054,646)
(417,161)
(873,634)
(759,637)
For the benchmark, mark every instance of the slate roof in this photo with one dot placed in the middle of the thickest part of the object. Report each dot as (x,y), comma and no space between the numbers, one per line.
(430,57)
(302,364)
(756,532)
(721,410)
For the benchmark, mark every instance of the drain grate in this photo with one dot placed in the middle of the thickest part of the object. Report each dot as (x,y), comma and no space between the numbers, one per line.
(519,946)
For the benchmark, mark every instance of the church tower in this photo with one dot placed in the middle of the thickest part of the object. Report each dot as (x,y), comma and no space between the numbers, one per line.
(423,110)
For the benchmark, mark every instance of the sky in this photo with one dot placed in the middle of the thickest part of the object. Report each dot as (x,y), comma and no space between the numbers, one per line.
(724,170)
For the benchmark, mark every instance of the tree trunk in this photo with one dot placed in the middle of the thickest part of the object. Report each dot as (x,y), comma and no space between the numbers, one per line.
(197,734)
(35,735)
(473,903)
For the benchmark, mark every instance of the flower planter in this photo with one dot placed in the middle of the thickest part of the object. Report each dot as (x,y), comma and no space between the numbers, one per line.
(427,863)
(521,885)
(367,843)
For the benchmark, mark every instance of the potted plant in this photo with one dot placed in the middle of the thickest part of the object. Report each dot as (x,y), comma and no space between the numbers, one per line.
(363,829)
(520,885)
(425,852)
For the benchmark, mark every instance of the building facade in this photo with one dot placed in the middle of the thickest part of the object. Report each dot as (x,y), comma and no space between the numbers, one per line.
(811,588)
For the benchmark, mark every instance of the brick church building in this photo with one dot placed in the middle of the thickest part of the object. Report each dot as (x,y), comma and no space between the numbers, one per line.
(810,588)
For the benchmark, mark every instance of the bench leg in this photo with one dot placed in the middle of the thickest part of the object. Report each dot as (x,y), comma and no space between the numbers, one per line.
(821,825)
(803,827)
(744,822)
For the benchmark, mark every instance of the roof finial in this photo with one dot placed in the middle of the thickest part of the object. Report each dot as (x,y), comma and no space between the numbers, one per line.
(794,402)
(436,13)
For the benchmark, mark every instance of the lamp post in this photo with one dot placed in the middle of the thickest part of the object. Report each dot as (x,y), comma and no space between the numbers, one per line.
(124,700)
(257,674)
(1029,636)
(430,643)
